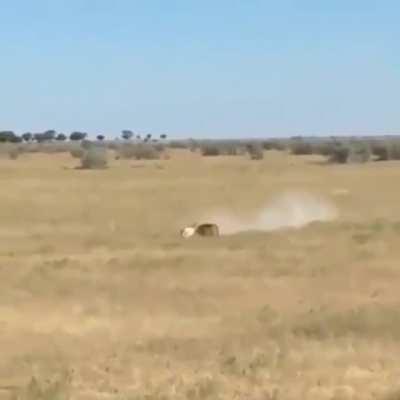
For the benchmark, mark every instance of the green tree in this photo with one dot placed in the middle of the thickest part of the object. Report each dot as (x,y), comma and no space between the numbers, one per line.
(39,137)
(126,134)
(77,135)
(61,137)
(27,136)
(6,136)
(49,135)
(16,139)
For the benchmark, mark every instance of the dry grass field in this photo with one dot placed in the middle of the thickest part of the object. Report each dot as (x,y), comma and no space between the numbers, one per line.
(101,298)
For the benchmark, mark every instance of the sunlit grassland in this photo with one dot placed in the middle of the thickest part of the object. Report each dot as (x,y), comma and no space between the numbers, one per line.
(101,298)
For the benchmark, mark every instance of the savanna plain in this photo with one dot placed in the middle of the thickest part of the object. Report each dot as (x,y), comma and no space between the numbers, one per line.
(102,299)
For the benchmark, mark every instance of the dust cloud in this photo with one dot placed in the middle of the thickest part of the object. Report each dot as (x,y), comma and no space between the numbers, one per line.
(289,210)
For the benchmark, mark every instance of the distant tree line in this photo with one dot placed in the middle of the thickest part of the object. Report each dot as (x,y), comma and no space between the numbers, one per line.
(52,135)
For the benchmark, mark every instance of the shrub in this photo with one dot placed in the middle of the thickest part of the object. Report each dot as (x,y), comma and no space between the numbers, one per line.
(301,148)
(140,151)
(231,150)
(229,147)
(359,152)
(339,154)
(324,149)
(274,145)
(125,151)
(95,157)
(268,145)
(48,147)
(255,151)
(257,154)
(210,150)
(175,144)
(394,150)
(383,151)
(53,147)
(146,151)
(380,151)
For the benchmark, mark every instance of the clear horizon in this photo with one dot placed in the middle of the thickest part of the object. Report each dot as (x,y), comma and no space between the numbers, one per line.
(226,69)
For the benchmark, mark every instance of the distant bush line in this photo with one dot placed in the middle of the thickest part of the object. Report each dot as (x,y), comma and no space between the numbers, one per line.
(52,135)
(350,150)
(131,146)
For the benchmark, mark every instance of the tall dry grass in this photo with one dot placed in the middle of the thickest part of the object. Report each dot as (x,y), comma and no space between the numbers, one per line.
(100,297)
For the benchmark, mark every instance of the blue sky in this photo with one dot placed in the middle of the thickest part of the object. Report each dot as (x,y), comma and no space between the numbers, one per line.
(201,68)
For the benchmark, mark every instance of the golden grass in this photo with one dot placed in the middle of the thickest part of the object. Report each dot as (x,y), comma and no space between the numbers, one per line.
(101,298)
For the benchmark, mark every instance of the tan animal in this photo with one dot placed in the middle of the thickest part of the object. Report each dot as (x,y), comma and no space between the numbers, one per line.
(205,229)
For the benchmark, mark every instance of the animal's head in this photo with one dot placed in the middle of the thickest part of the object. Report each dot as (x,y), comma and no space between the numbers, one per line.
(188,231)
